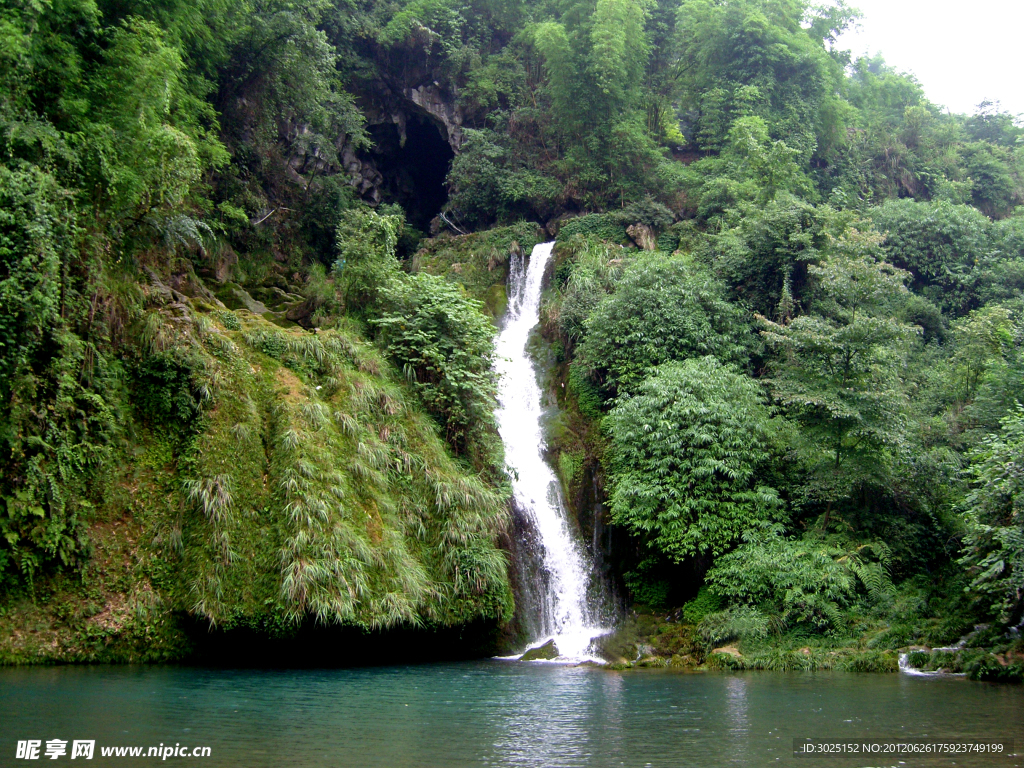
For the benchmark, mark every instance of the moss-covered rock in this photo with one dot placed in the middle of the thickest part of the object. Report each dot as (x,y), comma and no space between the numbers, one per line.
(545,652)
(479,262)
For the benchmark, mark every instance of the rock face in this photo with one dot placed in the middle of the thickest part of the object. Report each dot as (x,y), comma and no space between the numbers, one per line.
(362,173)
(247,301)
(415,125)
(546,652)
(223,262)
(643,235)
(441,107)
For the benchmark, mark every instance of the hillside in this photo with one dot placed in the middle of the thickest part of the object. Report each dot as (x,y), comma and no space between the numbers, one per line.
(252,258)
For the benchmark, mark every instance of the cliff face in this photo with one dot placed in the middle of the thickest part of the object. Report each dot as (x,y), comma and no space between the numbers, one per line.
(416,124)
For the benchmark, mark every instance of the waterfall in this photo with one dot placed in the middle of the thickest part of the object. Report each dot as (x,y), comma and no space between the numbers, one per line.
(565,612)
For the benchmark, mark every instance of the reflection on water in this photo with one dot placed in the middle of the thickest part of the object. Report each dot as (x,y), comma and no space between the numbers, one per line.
(494,714)
(736,719)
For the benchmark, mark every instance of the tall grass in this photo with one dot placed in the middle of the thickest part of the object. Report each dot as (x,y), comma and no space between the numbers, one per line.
(323,491)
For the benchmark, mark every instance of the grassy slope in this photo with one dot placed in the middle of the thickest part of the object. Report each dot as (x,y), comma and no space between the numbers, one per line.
(311,486)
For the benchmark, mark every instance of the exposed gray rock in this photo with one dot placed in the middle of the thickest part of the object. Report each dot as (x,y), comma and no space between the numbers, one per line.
(643,235)
(432,100)
(188,284)
(247,301)
(362,173)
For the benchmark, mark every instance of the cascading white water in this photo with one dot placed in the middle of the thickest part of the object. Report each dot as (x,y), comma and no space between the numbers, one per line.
(567,616)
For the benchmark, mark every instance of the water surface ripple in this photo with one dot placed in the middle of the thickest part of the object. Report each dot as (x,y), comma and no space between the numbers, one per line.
(494,713)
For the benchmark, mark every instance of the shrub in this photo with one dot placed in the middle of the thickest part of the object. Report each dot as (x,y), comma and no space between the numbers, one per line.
(444,344)
(705,603)
(595,226)
(684,459)
(804,580)
(663,309)
(938,243)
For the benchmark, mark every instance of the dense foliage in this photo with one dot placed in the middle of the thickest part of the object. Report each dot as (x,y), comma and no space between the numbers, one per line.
(686,453)
(994,545)
(661,310)
(171,201)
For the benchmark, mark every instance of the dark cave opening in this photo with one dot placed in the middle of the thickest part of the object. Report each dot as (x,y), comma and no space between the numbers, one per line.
(414,174)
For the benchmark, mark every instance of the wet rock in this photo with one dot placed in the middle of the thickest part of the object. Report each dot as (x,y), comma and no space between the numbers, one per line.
(611,648)
(496,300)
(652,661)
(247,301)
(545,652)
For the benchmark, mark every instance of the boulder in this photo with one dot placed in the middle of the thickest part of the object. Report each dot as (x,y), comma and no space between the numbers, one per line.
(643,235)
(242,296)
(729,650)
(545,652)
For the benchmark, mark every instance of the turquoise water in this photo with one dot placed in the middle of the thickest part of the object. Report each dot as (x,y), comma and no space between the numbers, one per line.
(493,713)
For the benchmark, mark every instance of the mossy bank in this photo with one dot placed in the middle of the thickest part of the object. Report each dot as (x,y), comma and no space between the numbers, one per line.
(272,483)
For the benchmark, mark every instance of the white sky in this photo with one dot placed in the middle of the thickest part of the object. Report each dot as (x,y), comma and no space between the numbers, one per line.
(962,51)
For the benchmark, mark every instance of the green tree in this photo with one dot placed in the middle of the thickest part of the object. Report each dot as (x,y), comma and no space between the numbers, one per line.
(997,185)
(486,183)
(687,459)
(772,164)
(837,371)
(994,547)
(594,61)
(989,363)
(1001,271)
(939,244)
(727,49)
(764,250)
(981,338)
(664,308)
(148,142)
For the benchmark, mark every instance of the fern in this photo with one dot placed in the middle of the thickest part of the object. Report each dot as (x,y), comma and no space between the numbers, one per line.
(184,231)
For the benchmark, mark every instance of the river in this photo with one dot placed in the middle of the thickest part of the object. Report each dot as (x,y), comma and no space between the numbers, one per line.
(493,713)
